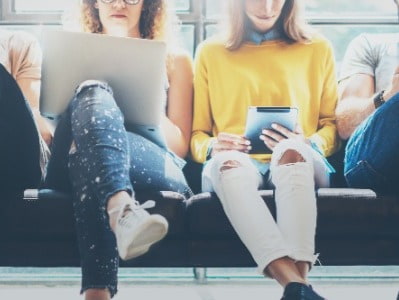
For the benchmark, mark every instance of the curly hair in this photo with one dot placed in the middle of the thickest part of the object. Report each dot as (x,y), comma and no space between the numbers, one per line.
(155,21)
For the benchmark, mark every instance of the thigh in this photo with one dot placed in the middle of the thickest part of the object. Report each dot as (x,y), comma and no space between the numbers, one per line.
(212,168)
(321,170)
(152,167)
(376,140)
(20,156)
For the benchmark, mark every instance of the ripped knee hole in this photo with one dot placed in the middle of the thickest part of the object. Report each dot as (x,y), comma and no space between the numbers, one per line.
(290,157)
(230,164)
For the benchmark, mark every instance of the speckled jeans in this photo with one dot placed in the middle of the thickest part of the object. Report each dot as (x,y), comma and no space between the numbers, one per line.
(107,159)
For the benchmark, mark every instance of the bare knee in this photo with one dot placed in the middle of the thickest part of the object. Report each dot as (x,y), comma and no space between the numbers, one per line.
(290,157)
(230,164)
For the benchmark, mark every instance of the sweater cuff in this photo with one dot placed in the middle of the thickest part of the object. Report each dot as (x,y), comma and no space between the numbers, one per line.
(210,148)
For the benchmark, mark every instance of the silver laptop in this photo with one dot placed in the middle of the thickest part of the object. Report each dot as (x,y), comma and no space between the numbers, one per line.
(134,68)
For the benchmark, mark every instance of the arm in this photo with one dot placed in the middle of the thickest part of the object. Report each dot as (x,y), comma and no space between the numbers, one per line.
(356,96)
(357,84)
(355,103)
(326,137)
(201,137)
(177,124)
(31,90)
(26,58)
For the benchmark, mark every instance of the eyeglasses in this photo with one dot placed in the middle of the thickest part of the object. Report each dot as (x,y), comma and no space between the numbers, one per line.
(129,2)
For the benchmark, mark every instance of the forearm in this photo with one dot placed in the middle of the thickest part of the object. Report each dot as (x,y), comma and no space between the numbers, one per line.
(31,90)
(200,142)
(326,139)
(175,138)
(351,112)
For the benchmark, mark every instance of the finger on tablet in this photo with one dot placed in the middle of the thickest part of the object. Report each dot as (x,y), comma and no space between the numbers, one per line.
(233,138)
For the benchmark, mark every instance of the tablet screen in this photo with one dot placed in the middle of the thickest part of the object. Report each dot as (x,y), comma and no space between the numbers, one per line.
(262,117)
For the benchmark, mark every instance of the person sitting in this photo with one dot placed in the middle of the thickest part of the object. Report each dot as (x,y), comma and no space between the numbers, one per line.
(25,134)
(256,64)
(367,111)
(107,164)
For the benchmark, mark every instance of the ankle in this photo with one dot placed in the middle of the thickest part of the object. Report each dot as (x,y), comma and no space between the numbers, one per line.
(116,203)
(97,294)
(118,199)
(284,271)
(297,282)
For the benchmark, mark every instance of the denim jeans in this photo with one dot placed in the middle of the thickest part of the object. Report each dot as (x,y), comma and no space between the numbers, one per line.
(372,152)
(106,159)
(20,148)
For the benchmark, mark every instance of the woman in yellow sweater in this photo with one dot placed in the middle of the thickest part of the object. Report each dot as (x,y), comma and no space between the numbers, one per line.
(268,57)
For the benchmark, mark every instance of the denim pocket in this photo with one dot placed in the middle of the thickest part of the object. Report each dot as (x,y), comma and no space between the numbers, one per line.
(363,175)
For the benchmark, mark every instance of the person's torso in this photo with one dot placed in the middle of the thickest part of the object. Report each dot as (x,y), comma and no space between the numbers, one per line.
(271,74)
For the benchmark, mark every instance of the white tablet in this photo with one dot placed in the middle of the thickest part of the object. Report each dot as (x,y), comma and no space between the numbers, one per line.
(262,117)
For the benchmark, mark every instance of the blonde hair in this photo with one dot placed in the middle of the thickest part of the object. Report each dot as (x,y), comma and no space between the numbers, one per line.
(155,21)
(290,23)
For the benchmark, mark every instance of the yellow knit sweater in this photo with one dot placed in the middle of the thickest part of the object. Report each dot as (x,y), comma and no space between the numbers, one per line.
(274,73)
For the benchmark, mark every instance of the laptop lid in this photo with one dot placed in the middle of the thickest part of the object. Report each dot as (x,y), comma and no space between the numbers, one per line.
(134,68)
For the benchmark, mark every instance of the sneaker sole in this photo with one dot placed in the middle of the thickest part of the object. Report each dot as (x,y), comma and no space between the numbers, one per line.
(150,232)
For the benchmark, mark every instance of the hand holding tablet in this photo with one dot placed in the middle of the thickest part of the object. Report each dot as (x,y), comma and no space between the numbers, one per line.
(262,117)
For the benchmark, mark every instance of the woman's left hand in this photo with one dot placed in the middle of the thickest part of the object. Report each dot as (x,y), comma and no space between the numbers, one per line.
(272,137)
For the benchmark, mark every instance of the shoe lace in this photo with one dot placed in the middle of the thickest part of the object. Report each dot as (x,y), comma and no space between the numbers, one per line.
(145,205)
(130,210)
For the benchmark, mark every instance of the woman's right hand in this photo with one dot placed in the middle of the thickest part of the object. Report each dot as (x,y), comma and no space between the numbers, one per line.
(228,141)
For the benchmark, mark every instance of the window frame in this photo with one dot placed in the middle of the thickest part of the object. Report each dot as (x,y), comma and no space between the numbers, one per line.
(196,16)
(9,16)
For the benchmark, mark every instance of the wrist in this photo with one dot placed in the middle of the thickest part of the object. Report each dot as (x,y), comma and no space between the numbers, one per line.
(209,152)
(379,99)
(384,95)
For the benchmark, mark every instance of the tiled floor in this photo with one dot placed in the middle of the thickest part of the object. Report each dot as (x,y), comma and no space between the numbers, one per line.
(211,291)
(339,283)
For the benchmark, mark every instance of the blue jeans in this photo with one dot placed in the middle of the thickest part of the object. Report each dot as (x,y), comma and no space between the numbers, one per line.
(372,152)
(108,159)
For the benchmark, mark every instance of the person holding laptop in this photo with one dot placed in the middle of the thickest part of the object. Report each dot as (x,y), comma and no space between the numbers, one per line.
(26,135)
(277,61)
(107,164)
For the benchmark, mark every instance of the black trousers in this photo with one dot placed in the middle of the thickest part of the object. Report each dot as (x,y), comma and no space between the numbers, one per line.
(19,138)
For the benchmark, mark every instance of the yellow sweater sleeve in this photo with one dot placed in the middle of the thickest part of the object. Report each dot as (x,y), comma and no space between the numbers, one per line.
(201,137)
(326,137)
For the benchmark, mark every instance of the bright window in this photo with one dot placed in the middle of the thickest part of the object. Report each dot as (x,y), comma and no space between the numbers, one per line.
(23,6)
(59,5)
(339,20)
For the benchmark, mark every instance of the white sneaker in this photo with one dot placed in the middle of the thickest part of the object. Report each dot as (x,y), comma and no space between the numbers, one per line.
(136,230)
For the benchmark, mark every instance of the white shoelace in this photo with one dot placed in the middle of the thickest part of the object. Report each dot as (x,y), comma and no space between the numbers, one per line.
(137,206)
(145,205)
(125,220)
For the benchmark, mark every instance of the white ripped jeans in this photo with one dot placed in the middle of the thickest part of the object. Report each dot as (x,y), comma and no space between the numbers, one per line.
(293,234)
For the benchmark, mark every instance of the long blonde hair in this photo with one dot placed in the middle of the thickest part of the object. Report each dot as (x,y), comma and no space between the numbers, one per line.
(155,21)
(290,23)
